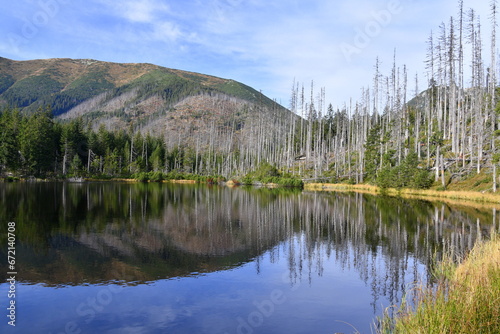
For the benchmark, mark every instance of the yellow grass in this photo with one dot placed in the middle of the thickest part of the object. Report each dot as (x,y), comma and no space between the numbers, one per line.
(457,197)
(466,300)
(181,181)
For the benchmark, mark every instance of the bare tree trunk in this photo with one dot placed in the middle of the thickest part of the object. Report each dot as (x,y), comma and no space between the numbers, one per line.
(491,88)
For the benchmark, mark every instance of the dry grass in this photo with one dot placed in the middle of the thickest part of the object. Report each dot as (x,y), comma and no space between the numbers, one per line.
(365,188)
(465,300)
(454,196)
(180,181)
(480,182)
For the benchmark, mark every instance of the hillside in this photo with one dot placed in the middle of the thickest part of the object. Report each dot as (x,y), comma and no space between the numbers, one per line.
(120,119)
(121,95)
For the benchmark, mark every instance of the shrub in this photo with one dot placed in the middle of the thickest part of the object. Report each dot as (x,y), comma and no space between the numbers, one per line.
(156,176)
(174,175)
(265,170)
(141,177)
(405,175)
(247,179)
(422,179)
(384,178)
(290,182)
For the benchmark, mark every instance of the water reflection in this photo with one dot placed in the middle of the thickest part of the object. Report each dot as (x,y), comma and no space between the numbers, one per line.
(129,234)
(151,231)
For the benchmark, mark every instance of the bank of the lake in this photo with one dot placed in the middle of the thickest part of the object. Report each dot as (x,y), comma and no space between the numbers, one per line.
(174,177)
(459,196)
(466,298)
(465,196)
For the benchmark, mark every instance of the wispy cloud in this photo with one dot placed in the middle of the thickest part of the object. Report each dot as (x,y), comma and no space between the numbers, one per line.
(145,11)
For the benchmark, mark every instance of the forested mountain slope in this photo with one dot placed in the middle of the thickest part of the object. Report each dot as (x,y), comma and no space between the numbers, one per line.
(118,95)
(199,120)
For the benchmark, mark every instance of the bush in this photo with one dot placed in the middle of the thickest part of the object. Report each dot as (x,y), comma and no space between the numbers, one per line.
(384,178)
(270,179)
(267,173)
(405,175)
(422,180)
(290,182)
(156,176)
(141,177)
(174,175)
(247,180)
(265,170)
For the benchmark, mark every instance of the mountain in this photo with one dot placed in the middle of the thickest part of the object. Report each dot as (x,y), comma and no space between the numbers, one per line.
(121,96)
(205,124)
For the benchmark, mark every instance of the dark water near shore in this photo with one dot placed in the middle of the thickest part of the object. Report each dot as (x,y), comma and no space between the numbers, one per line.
(162,258)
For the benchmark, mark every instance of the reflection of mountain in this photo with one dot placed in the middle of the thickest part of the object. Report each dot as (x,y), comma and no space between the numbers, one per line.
(91,233)
(88,233)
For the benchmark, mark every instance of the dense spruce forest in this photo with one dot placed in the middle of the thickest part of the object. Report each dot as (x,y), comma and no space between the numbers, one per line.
(390,137)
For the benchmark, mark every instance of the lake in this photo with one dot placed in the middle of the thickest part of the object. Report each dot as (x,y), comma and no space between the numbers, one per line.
(169,258)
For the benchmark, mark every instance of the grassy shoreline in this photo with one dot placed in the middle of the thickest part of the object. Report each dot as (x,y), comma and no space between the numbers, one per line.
(463,197)
(455,196)
(466,298)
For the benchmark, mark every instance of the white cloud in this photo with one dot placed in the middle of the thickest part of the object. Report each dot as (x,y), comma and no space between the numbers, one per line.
(144,11)
(166,31)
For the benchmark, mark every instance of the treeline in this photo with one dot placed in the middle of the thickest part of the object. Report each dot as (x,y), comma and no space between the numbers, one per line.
(36,145)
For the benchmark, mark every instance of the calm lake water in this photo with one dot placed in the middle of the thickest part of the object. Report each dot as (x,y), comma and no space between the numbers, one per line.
(163,258)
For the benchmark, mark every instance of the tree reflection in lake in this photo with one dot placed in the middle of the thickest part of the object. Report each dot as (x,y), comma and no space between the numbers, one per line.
(106,233)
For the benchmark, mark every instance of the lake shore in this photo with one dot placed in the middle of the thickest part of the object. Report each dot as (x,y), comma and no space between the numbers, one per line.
(485,199)
(464,300)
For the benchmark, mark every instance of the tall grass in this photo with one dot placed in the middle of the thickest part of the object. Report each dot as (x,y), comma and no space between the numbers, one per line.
(466,298)
(458,196)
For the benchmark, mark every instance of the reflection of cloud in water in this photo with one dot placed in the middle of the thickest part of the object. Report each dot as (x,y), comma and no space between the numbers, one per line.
(162,316)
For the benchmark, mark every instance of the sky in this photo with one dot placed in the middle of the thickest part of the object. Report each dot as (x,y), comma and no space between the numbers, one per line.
(266,44)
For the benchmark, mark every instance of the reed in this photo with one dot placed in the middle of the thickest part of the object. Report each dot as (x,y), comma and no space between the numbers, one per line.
(463,196)
(465,299)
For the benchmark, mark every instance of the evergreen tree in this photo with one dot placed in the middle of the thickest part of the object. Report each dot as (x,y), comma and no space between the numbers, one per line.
(10,126)
(73,141)
(37,143)
(372,155)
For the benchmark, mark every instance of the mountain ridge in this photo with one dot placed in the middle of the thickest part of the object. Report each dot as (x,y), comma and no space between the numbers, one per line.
(23,68)
(109,93)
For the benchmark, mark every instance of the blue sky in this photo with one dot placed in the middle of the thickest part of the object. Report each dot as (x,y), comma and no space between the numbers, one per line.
(266,44)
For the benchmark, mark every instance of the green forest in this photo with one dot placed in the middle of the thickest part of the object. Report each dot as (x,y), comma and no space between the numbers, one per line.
(36,145)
